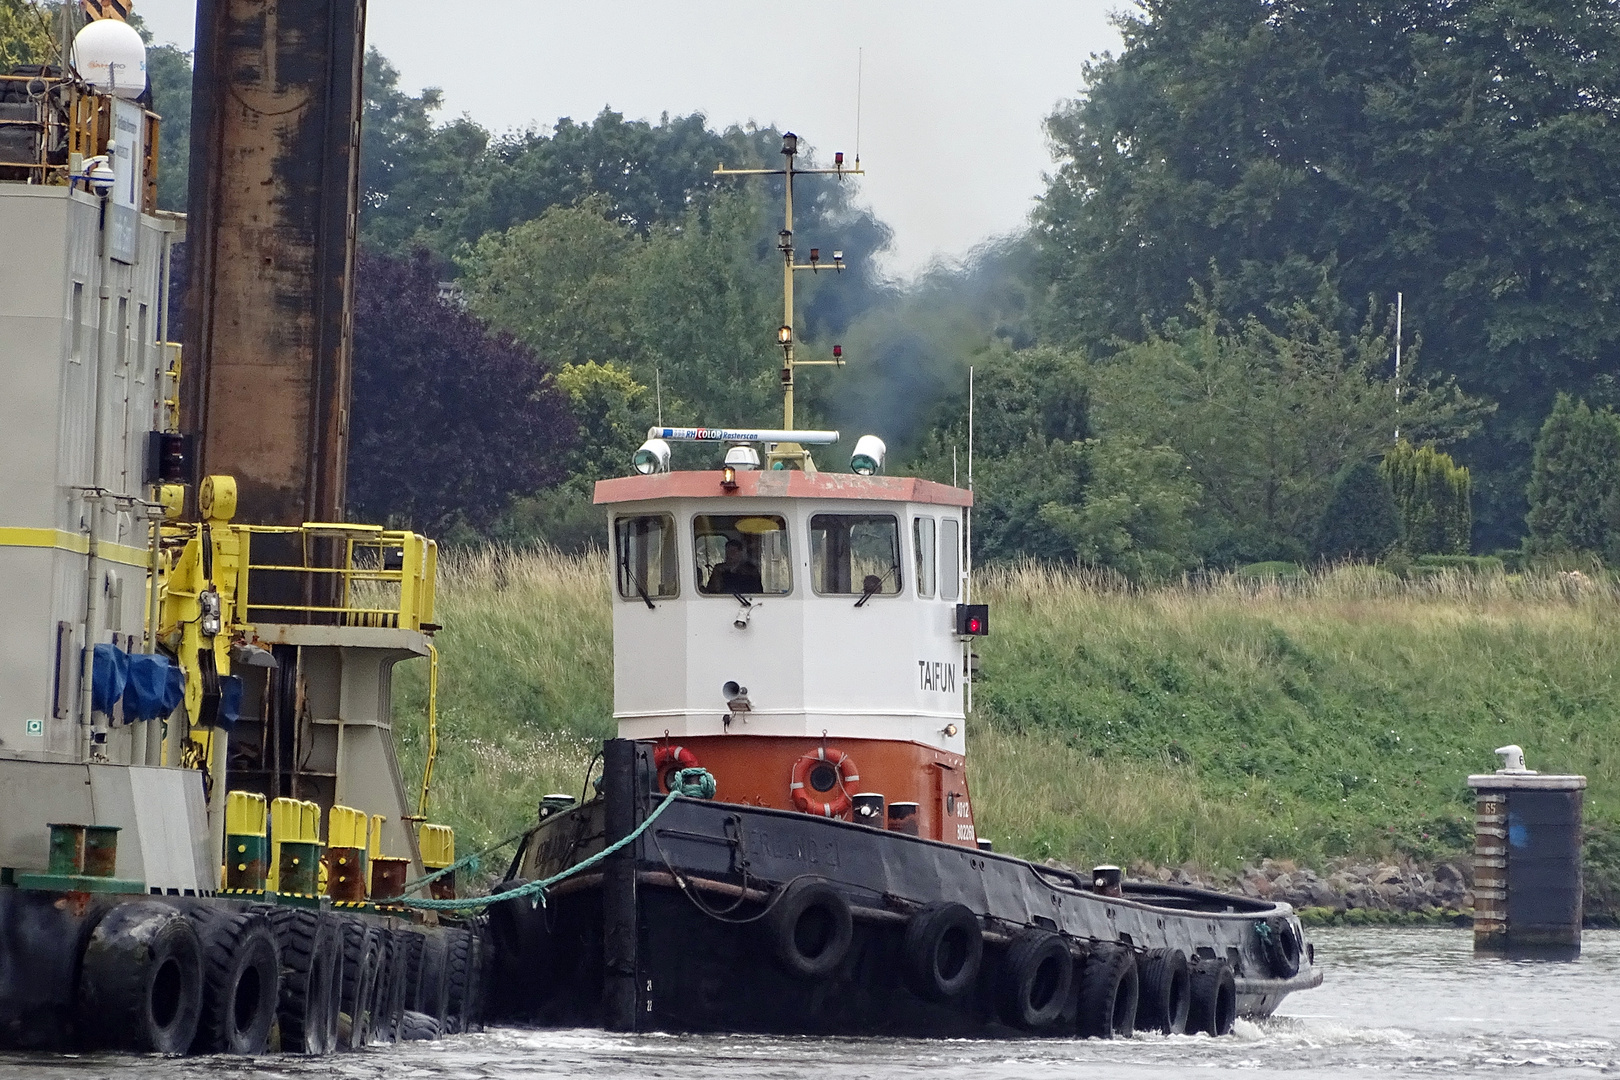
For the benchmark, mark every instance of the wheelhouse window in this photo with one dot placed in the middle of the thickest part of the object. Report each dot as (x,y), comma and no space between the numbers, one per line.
(922,535)
(950,559)
(648,566)
(741,554)
(855,554)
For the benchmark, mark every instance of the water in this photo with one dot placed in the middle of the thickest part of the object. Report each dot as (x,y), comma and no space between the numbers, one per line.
(1395,1003)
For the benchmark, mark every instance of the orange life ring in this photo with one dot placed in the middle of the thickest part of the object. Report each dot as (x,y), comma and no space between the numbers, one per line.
(669,760)
(808,798)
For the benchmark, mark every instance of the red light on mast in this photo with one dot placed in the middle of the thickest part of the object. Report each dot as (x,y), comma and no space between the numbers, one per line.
(838,351)
(838,159)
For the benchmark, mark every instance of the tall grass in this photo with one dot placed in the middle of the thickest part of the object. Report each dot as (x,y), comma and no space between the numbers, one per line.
(1215,720)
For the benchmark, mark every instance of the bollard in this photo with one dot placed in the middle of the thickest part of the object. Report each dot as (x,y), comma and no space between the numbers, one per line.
(1527,861)
(247,844)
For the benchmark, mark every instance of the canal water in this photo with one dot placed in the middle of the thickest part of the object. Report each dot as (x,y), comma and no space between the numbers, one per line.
(1396,1003)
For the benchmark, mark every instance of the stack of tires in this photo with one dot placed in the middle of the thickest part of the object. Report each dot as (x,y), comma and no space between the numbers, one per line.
(1041,981)
(207,978)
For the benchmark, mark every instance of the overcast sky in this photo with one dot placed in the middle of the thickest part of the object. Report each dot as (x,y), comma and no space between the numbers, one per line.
(953,94)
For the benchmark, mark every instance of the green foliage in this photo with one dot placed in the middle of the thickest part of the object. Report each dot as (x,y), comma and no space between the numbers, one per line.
(688,306)
(1266,419)
(1045,488)
(1435,499)
(1470,564)
(1465,153)
(1575,482)
(1273,569)
(25,34)
(1362,520)
(1217,722)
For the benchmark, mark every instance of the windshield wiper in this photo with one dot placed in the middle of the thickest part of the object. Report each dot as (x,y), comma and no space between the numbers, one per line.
(641,590)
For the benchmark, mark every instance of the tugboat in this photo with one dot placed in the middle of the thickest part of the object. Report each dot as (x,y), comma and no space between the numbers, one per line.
(783,837)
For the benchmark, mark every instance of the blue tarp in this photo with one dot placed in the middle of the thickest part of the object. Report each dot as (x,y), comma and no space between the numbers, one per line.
(109,673)
(230,700)
(156,687)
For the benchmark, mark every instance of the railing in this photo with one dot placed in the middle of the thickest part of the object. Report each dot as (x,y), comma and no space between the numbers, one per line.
(49,123)
(339,575)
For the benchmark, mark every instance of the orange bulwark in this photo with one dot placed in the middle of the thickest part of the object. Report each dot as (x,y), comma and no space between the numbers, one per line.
(760,771)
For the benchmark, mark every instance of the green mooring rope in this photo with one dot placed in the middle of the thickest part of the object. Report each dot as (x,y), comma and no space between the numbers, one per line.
(692,783)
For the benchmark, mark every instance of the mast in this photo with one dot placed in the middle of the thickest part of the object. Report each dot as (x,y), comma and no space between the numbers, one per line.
(792,454)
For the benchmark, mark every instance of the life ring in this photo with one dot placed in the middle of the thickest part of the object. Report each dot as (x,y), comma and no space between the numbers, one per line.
(669,760)
(826,772)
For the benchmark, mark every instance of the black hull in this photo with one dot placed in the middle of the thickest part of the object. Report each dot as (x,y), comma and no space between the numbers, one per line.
(665,935)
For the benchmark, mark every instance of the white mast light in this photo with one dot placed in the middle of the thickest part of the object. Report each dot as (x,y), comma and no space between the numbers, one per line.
(868,457)
(651,457)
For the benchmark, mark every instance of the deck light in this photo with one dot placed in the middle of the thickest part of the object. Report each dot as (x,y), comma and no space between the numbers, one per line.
(790,144)
(868,456)
(653,456)
(728,478)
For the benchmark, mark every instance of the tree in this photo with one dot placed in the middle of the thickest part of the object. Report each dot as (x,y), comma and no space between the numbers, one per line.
(1044,487)
(1266,419)
(448,420)
(689,307)
(1575,481)
(1362,521)
(1434,495)
(25,35)
(1466,153)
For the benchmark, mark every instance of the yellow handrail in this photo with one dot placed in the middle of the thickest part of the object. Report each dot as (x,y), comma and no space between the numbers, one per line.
(433,730)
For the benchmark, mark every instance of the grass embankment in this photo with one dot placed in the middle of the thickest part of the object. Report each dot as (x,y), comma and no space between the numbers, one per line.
(1217,723)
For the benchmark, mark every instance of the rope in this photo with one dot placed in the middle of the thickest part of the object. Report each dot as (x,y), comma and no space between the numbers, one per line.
(691,783)
(467,862)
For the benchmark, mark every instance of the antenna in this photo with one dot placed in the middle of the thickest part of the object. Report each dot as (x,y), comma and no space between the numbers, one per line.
(1399,304)
(793,455)
(860,64)
(658,381)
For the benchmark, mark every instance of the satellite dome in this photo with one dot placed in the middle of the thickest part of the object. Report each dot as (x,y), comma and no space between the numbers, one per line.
(110,56)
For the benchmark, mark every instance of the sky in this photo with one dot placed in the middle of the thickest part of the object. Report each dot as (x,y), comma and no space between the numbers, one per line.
(952,92)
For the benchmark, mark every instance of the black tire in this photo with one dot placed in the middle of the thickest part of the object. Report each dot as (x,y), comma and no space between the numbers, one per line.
(1036,976)
(141,979)
(1109,993)
(810,929)
(415,948)
(241,981)
(311,979)
(1166,992)
(362,956)
(388,993)
(459,960)
(433,984)
(942,951)
(1214,999)
(414,1026)
(1281,944)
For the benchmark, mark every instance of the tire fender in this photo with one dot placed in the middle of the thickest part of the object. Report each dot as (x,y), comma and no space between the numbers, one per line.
(141,979)
(1166,992)
(1214,999)
(1036,976)
(1109,993)
(810,928)
(943,950)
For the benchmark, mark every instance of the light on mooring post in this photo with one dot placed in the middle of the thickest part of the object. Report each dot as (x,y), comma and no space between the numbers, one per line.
(790,144)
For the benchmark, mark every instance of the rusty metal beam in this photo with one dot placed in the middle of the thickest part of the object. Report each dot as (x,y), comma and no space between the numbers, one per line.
(274,192)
